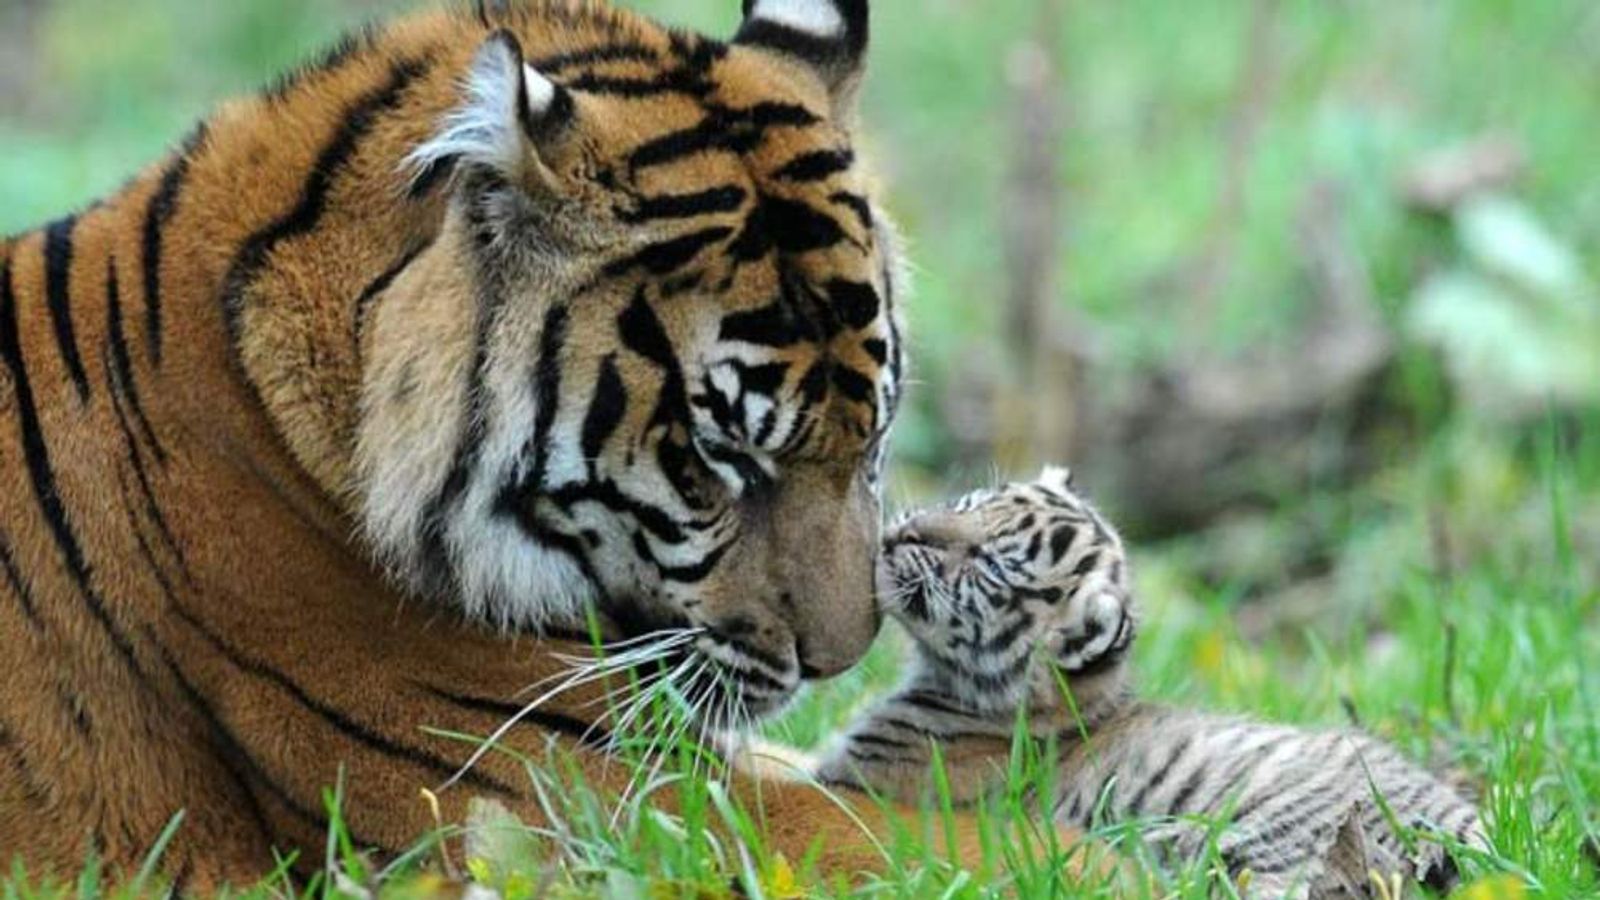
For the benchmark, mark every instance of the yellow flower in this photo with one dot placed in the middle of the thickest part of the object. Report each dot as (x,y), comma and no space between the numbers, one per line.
(1495,887)
(778,882)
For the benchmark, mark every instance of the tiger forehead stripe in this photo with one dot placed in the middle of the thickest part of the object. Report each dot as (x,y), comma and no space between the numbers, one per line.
(722,129)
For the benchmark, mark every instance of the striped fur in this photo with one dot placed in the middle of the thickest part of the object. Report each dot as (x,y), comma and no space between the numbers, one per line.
(492,320)
(1004,592)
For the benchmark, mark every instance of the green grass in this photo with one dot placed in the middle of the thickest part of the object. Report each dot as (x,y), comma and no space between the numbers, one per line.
(1458,610)
(1509,701)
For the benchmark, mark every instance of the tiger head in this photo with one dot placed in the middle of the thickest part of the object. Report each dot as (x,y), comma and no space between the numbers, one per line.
(1006,588)
(648,364)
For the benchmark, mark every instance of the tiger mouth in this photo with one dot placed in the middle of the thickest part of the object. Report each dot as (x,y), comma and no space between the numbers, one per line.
(713,681)
(754,685)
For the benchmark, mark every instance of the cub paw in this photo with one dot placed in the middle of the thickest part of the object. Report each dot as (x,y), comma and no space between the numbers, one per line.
(1098,635)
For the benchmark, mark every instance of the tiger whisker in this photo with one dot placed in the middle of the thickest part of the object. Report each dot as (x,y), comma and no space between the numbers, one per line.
(663,743)
(659,642)
(587,673)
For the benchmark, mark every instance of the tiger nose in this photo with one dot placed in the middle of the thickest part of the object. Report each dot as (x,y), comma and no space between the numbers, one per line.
(820,665)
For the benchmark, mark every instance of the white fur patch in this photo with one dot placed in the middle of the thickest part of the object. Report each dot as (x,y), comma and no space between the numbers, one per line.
(815,17)
(1058,478)
(541,91)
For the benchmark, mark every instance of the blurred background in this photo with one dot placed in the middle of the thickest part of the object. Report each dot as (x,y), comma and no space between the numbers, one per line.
(1304,291)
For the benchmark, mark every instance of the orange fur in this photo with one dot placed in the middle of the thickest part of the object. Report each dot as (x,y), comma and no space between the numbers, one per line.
(191,622)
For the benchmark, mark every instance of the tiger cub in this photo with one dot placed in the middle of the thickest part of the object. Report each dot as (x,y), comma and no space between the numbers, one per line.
(1012,593)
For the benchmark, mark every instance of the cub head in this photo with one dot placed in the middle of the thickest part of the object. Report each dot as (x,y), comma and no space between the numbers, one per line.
(648,365)
(1006,587)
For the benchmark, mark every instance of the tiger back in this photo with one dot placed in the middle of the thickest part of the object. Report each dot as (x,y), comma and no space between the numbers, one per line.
(491,321)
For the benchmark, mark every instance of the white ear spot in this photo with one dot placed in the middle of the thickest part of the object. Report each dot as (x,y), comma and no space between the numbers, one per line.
(541,92)
(1057,477)
(488,128)
(816,17)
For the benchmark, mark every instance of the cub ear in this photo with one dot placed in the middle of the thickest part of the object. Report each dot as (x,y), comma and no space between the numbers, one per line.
(828,35)
(509,113)
(1057,478)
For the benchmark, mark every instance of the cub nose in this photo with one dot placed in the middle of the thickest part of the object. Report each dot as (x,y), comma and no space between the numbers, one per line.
(937,531)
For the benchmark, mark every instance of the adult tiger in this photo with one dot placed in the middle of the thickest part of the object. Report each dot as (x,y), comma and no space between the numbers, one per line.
(542,307)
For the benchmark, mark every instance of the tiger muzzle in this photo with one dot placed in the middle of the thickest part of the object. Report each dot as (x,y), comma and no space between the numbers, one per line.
(801,585)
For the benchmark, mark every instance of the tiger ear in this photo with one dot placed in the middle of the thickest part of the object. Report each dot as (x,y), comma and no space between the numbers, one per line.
(509,116)
(830,36)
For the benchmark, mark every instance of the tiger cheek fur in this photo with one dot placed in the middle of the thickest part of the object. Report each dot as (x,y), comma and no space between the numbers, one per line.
(718,299)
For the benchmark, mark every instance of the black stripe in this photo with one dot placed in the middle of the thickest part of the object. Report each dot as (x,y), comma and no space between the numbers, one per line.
(796,227)
(338,720)
(684,206)
(245,768)
(935,702)
(1154,780)
(550,65)
(58,293)
(381,284)
(606,409)
(19,586)
(773,325)
(857,204)
(516,499)
(666,257)
(116,387)
(725,130)
(675,81)
(855,303)
(1010,633)
(123,365)
(42,475)
(163,205)
(878,740)
(37,793)
(1187,789)
(852,384)
(587,734)
(145,553)
(695,573)
(816,165)
(546,391)
(152,510)
(1303,812)
(431,536)
(76,710)
(604,492)
(313,202)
